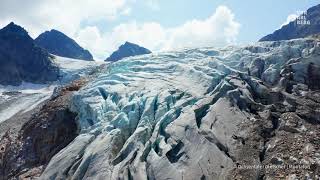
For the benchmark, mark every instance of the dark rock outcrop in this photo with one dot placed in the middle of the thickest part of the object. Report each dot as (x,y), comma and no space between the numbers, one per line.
(21,60)
(59,44)
(45,134)
(297,29)
(126,50)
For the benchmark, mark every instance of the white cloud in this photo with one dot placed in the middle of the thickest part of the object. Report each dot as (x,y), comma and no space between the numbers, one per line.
(40,15)
(291,17)
(91,38)
(217,30)
(151,35)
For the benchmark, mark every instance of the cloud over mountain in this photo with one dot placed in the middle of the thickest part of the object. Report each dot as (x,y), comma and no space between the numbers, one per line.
(79,21)
(219,29)
(40,15)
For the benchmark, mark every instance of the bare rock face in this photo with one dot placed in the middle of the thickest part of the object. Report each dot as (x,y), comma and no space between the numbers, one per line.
(21,60)
(313,79)
(45,134)
(127,50)
(55,42)
(295,29)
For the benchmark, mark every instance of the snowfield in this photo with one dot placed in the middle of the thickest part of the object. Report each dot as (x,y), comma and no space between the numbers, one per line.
(23,98)
(71,69)
(180,115)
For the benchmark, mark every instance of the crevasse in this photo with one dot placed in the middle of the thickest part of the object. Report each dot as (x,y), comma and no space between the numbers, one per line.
(172,114)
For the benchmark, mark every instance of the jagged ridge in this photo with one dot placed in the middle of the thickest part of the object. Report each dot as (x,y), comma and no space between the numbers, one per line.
(295,30)
(127,50)
(21,60)
(59,44)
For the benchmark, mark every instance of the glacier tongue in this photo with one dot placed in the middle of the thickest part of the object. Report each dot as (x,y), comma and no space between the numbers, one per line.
(175,115)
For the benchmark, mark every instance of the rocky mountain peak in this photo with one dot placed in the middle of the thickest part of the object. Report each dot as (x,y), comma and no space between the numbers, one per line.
(21,60)
(14,30)
(60,44)
(126,50)
(305,25)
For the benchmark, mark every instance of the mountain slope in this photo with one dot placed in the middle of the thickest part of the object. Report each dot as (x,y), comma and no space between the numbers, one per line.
(21,60)
(17,100)
(295,30)
(35,120)
(199,114)
(59,44)
(126,50)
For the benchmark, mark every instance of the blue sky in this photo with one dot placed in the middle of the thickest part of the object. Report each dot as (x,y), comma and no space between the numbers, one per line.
(102,25)
(257,17)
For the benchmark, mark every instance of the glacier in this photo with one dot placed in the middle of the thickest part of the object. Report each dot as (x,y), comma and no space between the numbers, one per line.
(187,114)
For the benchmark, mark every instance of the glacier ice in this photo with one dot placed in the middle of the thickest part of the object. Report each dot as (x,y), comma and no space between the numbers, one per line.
(175,115)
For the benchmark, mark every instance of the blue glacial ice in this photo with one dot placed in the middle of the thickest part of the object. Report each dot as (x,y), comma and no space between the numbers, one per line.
(172,115)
